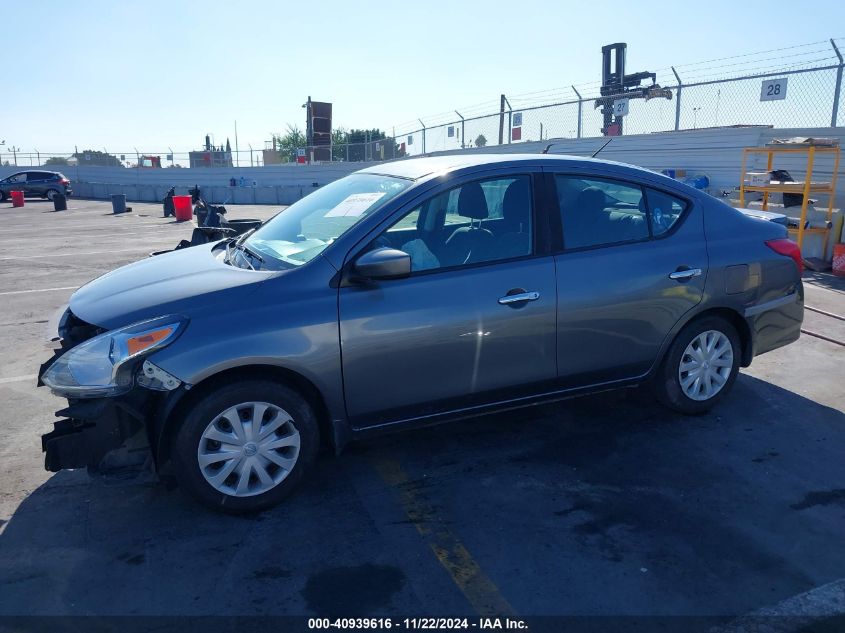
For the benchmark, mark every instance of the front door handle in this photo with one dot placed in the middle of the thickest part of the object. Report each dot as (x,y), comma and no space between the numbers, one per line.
(685,275)
(519,297)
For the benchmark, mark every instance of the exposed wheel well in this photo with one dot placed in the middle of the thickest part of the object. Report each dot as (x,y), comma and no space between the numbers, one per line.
(740,324)
(168,425)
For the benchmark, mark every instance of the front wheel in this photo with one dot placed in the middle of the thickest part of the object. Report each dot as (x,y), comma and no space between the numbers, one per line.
(245,447)
(700,366)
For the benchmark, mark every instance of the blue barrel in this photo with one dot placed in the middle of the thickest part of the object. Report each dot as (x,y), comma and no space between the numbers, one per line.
(118,203)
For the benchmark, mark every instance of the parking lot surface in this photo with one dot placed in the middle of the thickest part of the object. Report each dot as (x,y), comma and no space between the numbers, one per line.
(605,505)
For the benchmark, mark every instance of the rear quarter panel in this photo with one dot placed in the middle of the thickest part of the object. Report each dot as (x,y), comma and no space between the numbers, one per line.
(746,275)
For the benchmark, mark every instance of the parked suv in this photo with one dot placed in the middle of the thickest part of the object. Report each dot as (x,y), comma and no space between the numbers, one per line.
(412,293)
(35,183)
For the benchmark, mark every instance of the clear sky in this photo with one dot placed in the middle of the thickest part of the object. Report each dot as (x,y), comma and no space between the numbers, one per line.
(154,74)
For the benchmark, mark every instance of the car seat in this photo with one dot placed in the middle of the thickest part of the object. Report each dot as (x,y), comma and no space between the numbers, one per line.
(471,243)
(585,222)
(514,239)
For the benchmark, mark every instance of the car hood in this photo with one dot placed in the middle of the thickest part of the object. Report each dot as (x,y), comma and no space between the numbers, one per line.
(179,282)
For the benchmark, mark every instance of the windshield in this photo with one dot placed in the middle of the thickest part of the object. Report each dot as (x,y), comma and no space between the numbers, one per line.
(305,229)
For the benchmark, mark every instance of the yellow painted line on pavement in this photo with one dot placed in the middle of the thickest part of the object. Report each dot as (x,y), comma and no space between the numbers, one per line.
(479,590)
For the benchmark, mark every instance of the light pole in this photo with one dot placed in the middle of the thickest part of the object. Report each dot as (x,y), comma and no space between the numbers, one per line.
(250,154)
(14,151)
(39,157)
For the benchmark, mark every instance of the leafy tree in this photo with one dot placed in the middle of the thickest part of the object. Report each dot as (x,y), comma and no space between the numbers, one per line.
(339,144)
(480,140)
(57,160)
(94,157)
(362,145)
(289,142)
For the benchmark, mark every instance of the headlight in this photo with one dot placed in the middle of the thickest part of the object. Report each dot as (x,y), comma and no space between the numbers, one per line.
(99,367)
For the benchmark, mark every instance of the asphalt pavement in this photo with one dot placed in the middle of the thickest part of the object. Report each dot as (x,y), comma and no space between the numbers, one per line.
(604,505)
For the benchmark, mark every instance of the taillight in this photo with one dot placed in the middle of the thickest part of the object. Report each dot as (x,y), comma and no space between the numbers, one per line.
(788,248)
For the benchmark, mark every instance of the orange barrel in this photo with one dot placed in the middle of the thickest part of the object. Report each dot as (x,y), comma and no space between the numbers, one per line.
(839,260)
(17,198)
(182,208)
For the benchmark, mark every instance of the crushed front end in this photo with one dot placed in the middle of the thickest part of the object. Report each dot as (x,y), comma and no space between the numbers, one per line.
(114,392)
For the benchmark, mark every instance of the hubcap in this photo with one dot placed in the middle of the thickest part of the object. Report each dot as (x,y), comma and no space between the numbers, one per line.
(248,449)
(706,365)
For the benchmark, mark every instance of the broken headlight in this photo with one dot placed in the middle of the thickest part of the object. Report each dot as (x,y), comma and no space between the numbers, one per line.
(100,366)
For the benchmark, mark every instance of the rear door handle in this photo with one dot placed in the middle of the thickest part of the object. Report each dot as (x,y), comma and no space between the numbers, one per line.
(519,298)
(684,275)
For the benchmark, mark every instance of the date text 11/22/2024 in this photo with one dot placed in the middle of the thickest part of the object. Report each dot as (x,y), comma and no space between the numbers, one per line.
(422,624)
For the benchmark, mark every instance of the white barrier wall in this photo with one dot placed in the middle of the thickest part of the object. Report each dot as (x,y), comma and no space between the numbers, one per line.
(716,153)
(275,184)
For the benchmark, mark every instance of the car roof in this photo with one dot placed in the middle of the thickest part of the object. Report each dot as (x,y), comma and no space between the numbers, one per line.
(416,168)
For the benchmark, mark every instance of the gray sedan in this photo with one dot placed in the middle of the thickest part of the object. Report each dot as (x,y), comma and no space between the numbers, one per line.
(413,293)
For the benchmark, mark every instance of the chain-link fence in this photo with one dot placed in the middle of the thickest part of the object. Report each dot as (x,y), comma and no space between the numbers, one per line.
(796,86)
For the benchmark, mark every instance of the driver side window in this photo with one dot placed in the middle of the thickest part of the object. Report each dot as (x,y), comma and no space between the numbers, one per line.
(481,221)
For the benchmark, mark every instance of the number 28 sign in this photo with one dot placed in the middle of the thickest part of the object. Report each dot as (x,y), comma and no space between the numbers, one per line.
(773,89)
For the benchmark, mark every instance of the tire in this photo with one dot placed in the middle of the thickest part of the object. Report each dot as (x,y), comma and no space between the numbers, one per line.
(677,389)
(51,193)
(2,196)
(241,400)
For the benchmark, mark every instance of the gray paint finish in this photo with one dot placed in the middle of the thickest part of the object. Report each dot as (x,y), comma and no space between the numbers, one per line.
(440,343)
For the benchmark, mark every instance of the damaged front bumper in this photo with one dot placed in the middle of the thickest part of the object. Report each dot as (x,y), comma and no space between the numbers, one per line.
(113,434)
(101,435)
(115,392)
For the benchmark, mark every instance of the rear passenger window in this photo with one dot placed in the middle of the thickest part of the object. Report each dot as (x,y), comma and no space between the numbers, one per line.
(664,209)
(598,212)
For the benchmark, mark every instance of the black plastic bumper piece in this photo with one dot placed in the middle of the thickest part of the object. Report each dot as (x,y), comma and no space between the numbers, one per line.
(91,430)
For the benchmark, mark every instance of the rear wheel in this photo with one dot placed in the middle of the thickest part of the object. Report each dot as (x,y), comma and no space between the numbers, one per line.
(2,196)
(51,193)
(245,447)
(700,366)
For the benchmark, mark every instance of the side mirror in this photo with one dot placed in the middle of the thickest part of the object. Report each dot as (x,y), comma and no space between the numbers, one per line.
(383,263)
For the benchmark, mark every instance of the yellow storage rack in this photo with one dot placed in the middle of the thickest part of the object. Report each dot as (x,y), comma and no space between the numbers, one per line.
(804,188)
